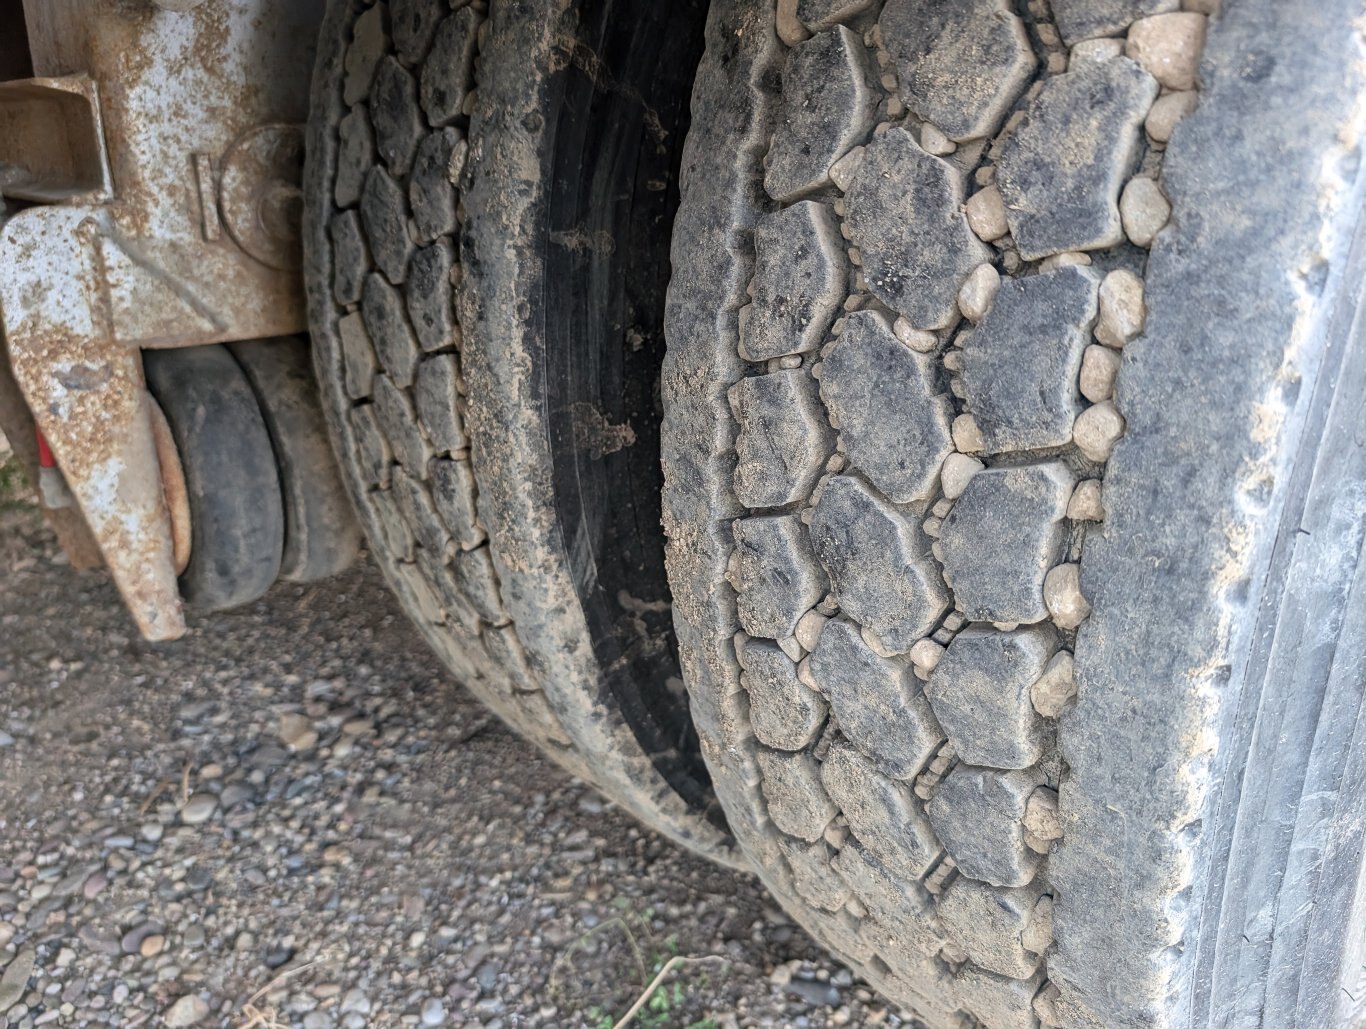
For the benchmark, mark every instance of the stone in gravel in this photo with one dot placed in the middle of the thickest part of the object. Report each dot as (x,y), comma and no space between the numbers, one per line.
(1002,536)
(986,213)
(1099,367)
(1097,430)
(957,471)
(193,937)
(1059,199)
(151,831)
(1143,210)
(133,939)
(1095,50)
(1167,111)
(932,141)
(103,941)
(1122,311)
(1021,365)
(960,66)
(188,1010)
(800,274)
(892,413)
(198,809)
(1051,692)
(433,1011)
(905,216)
(1062,593)
(355,1002)
(967,437)
(14,981)
(152,945)
(978,291)
(1085,505)
(6,740)
(830,95)
(297,732)
(1168,46)
(1085,19)
(879,564)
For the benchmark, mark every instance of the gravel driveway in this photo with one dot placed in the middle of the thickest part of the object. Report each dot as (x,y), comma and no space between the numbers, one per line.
(293,817)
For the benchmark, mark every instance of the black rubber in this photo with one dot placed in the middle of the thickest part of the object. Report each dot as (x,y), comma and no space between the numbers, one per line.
(487,217)
(322,537)
(237,520)
(1016,497)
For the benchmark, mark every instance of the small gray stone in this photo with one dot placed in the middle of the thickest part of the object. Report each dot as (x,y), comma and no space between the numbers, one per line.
(199,808)
(437,401)
(14,980)
(879,563)
(384,212)
(1021,365)
(894,417)
(828,101)
(1003,535)
(877,701)
(980,694)
(429,188)
(188,1010)
(784,439)
(961,65)
(386,321)
(433,1011)
(785,712)
(1087,19)
(448,72)
(430,296)
(800,275)
(978,814)
(775,574)
(905,216)
(1060,172)
(395,116)
(883,814)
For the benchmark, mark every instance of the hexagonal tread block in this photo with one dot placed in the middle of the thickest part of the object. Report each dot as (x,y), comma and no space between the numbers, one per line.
(350,257)
(883,815)
(355,156)
(398,418)
(818,15)
(1003,535)
(980,694)
(830,95)
(960,66)
(437,401)
(387,321)
(900,906)
(812,875)
(997,1000)
(448,72)
(430,297)
(978,815)
(784,439)
(1088,19)
(775,574)
(796,800)
(800,278)
(1060,172)
(893,414)
(989,921)
(394,113)
(384,213)
(879,563)
(877,701)
(905,217)
(785,712)
(429,187)
(1022,364)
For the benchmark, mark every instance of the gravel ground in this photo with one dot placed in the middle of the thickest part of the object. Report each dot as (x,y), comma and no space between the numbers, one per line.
(292,818)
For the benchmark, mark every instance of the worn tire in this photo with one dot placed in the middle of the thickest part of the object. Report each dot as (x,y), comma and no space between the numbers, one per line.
(1032,693)
(232,484)
(427,213)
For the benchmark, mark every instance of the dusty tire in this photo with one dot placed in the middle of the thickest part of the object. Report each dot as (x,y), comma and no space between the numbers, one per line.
(232,484)
(446,404)
(1013,679)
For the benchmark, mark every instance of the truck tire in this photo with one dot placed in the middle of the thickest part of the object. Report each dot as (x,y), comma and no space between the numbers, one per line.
(471,172)
(1016,493)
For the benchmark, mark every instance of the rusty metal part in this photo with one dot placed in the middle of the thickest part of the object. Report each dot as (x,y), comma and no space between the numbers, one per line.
(173,486)
(185,111)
